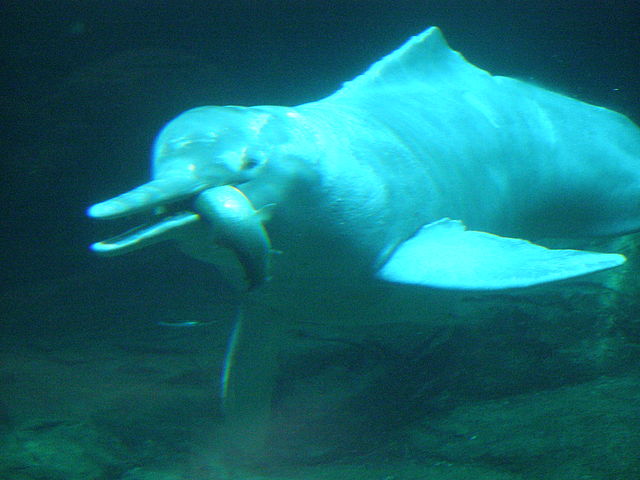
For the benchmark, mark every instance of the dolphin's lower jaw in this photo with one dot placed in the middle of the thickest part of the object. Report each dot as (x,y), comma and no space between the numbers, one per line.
(224,212)
(159,230)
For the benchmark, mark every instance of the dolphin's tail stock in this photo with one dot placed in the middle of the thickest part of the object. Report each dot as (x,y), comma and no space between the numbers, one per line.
(247,385)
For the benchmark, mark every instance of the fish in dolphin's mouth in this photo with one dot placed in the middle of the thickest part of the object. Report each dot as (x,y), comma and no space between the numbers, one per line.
(215,217)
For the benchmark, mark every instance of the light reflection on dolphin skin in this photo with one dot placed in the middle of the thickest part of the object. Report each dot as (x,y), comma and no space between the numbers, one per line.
(423,172)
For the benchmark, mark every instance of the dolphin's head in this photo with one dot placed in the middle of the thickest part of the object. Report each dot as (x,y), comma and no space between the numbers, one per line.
(203,149)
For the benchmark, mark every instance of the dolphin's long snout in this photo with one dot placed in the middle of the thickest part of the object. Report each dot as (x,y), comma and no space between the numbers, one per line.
(147,196)
(224,212)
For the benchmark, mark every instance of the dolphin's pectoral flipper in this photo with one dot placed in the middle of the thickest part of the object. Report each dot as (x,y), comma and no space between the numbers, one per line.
(445,254)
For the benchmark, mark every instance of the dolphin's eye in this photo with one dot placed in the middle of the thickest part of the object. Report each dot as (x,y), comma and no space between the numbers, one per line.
(249,163)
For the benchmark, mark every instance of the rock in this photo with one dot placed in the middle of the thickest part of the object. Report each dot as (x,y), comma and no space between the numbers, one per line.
(590,430)
(59,450)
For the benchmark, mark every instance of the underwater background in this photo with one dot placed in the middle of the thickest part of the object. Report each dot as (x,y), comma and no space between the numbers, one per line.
(537,384)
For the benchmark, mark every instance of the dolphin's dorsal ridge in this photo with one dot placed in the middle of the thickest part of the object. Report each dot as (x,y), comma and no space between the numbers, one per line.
(444,254)
(424,58)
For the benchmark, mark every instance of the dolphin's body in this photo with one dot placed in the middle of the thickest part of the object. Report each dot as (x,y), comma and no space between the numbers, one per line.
(425,170)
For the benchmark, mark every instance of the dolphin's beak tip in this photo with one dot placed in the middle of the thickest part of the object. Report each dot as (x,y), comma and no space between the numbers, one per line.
(102,210)
(90,212)
(103,249)
(100,248)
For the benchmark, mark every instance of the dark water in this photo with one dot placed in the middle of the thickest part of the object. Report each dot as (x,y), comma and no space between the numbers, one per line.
(86,86)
